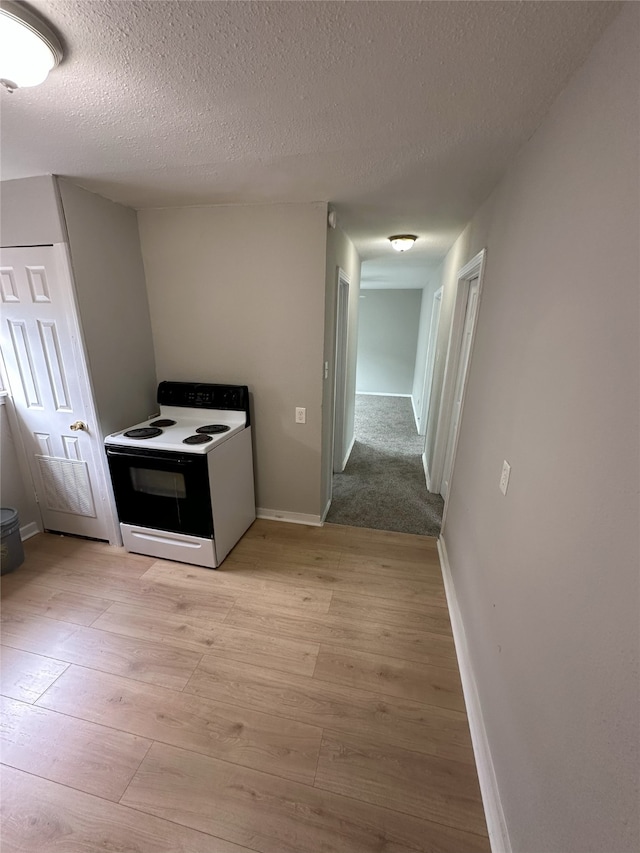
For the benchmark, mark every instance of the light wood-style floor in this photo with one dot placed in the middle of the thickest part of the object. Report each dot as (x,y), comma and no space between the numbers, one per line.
(305,698)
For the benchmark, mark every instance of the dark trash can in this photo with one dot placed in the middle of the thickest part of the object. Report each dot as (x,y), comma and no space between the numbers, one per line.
(11,550)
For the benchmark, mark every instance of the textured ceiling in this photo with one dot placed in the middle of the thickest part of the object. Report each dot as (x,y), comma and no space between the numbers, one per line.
(401,115)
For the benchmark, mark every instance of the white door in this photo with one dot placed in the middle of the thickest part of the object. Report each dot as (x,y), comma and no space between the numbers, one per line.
(431,359)
(463,366)
(342,326)
(50,388)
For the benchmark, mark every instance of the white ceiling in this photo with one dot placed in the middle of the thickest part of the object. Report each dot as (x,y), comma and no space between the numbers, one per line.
(401,115)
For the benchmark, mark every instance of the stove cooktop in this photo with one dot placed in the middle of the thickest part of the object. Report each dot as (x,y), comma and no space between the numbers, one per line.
(194,417)
(181,430)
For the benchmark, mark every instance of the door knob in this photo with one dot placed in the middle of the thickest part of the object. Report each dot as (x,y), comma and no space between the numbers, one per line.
(79,425)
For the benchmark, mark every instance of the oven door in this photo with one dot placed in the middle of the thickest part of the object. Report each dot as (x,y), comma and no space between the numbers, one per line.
(163,491)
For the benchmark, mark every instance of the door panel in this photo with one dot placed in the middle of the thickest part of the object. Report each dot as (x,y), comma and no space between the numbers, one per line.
(48,382)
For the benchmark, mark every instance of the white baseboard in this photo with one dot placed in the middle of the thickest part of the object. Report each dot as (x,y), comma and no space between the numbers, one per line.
(29,530)
(290,517)
(496,824)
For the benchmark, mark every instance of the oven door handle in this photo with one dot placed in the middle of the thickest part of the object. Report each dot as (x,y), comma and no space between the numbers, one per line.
(168,458)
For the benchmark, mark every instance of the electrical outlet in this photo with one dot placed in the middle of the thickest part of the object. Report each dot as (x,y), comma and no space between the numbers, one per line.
(301,415)
(504,477)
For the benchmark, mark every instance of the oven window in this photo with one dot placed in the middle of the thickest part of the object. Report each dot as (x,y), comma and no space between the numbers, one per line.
(163,484)
(165,491)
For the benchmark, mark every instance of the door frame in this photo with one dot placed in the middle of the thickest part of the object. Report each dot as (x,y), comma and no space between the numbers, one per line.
(103,487)
(464,361)
(474,269)
(430,361)
(340,384)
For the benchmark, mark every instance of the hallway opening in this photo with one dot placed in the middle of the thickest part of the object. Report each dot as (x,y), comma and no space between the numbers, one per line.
(383,484)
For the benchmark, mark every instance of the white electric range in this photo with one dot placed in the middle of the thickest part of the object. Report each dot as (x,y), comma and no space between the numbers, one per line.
(183,480)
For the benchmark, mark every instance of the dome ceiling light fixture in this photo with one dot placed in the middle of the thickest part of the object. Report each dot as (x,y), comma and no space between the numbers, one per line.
(402,242)
(29,50)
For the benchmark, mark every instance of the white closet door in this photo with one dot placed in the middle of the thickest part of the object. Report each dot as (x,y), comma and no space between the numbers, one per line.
(50,389)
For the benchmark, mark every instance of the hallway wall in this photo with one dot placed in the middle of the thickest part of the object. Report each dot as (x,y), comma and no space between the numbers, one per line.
(340,254)
(547,577)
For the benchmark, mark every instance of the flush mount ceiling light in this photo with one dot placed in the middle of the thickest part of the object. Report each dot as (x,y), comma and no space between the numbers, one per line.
(28,48)
(402,242)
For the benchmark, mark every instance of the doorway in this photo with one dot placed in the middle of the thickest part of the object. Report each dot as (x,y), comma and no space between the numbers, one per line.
(383,484)
(458,359)
(463,366)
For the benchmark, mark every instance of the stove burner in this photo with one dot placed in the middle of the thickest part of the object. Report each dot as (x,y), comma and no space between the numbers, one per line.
(197,439)
(164,422)
(143,432)
(212,429)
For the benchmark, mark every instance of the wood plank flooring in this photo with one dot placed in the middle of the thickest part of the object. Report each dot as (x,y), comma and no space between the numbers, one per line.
(304,698)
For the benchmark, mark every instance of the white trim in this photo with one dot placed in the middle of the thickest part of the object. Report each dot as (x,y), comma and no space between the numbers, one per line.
(103,487)
(290,517)
(494,814)
(29,529)
(343,298)
(463,366)
(430,361)
(326,512)
(474,269)
(348,453)
(426,470)
(415,413)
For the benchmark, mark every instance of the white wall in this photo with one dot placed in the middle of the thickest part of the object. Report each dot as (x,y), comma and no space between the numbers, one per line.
(547,577)
(30,213)
(341,254)
(237,295)
(387,340)
(112,301)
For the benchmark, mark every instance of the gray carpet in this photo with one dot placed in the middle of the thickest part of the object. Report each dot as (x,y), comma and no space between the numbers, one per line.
(383,485)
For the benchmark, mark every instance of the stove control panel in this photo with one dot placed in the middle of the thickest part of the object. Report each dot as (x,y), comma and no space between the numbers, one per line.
(202,395)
